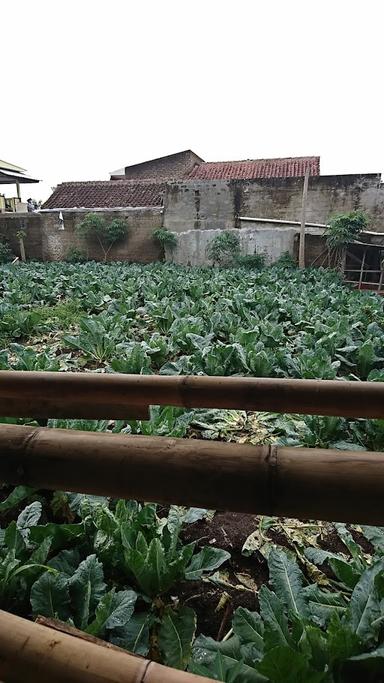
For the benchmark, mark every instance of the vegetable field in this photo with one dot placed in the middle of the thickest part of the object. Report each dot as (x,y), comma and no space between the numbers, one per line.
(234,597)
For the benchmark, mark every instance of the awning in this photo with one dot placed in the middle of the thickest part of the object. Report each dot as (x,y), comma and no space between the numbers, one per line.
(9,177)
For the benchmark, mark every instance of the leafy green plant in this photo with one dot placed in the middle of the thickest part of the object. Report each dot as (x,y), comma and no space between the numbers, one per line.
(75,255)
(301,633)
(6,254)
(96,228)
(224,249)
(97,338)
(286,260)
(256,260)
(165,238)
(345,227)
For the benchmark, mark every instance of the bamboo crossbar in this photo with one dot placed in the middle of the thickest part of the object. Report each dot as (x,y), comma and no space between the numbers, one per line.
(118,396)
(306,483)
(31,653)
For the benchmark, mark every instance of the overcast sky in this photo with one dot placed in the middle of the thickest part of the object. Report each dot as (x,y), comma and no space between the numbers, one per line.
(91,86)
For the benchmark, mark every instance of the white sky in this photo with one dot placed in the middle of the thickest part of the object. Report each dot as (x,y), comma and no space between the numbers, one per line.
(91,85)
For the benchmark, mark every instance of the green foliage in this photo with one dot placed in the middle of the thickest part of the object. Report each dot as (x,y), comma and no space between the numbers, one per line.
(286,260)
(165,238)
(345,227)
(6,254)
(301,633)
(106,233)
(75,255)
(256,261)
(224,249)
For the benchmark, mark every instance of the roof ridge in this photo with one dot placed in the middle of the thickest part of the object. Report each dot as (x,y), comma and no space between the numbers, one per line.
(122,181)
(242,161)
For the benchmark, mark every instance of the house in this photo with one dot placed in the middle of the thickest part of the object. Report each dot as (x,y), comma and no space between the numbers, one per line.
(144,184)
(13,175)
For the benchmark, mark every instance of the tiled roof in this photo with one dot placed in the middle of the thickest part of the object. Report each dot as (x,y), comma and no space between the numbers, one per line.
(100,194)
(256,168)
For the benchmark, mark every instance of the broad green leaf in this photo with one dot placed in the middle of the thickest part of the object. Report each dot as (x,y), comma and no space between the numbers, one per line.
(134,635)
(66,561)
(176,634)
(113,612)
(86,588)
(13,539)
(374,534)
(348,540)
(322,604)
(364,607)
(61,534)
(345,572)
(284,665)
(194,514)
(207,560)
(50,596)
(249,627)
(41,553)
(29,516)
(16,496)
(272,611)
(287,581)
(342,641)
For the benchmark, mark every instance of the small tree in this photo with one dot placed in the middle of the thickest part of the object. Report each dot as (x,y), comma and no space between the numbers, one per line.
(224,249)
(96,228)
(165,239)
(343,229)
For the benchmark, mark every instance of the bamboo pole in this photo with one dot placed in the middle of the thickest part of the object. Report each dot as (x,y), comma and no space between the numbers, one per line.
(302,223)
(31,653)
(118,396)
(289,482)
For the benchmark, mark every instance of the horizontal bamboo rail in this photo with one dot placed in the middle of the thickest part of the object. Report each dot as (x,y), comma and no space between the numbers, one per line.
(31,653)
(117,396)
(292,482)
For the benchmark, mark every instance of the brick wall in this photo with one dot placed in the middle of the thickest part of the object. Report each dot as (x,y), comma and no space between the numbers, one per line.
(172,166)
(10,224)
(44,240)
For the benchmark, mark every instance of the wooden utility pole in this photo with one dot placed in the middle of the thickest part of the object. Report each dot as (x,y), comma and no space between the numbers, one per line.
(302,226)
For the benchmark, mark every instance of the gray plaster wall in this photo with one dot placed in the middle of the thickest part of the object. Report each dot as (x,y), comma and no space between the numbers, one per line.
(272,240)
(199,205)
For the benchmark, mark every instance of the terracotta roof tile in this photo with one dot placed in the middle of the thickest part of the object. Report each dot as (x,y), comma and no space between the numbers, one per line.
(106,194)
(256,168)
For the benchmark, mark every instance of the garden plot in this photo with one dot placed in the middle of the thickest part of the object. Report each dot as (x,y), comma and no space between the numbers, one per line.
(234,597)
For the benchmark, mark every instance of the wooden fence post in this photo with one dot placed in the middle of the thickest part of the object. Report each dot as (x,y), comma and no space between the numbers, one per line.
(302,226)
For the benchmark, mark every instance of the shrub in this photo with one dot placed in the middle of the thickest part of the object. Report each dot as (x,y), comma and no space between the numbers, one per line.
(165,238)
(344,228)
(256,261)
(75,255)
(224,249)
(286,260)
(6,254)
(96,228)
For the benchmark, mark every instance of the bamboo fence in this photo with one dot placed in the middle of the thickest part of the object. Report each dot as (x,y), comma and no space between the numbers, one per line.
(118,396)
(294,482)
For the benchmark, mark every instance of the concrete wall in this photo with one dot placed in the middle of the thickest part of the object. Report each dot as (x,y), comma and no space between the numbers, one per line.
(45,241)
(208,205)
(269,238)
(199,205)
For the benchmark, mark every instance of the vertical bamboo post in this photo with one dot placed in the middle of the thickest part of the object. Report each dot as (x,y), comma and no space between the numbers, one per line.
(22,248)
(302,225)
(362,269)
(380,279)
